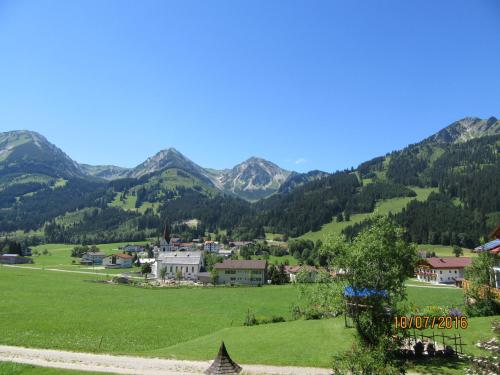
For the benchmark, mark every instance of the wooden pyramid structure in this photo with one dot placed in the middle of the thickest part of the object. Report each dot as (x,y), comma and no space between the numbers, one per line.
(223,364)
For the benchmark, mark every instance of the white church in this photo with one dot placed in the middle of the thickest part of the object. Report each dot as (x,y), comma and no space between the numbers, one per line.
(188,263)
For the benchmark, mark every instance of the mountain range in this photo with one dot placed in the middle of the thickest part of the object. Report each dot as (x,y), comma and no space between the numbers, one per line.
(40,184)
(28,152)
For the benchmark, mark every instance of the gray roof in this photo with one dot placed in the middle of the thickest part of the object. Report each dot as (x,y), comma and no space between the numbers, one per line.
(181,257)
(96,254)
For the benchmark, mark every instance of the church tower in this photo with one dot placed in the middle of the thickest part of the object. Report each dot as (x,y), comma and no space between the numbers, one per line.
(165,241)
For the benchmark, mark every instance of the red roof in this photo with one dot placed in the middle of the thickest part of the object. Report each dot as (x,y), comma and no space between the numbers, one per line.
(242,265)
(448,262)
(495,250)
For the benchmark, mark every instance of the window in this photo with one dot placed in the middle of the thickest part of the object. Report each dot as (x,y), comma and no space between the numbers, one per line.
(256,272)
(170,268)
(193,269)
(230,272)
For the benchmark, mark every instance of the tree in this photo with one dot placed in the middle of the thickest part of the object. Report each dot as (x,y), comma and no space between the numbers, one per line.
(163,273)
(457,250)
(214,276)
(146,270)
(379,260)
(178,276)
(480,300)
(340,217)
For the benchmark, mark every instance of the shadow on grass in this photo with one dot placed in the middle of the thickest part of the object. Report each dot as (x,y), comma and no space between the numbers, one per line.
(438,366)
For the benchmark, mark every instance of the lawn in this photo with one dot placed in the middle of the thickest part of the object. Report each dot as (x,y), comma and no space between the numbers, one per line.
(67,311)
(383,207)
(9,368)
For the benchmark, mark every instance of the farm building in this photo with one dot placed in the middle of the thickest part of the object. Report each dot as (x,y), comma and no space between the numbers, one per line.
(14,259)
(249,272)
(118,261)
(448,270)
(188,263)
(93,258)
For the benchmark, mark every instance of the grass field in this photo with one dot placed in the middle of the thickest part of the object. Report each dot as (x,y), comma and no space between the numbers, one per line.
(9,368)
(68,311)
(383,207)
(445,251)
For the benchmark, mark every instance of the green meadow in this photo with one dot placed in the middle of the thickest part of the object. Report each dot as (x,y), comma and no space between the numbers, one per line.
(382,207)
(71,311)
(59,257)
(445,251)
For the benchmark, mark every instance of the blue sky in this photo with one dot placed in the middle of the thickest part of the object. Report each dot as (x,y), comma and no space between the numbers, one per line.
(306,84)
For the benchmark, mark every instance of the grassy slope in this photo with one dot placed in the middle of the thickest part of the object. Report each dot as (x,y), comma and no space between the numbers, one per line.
(9,368)
(383,207)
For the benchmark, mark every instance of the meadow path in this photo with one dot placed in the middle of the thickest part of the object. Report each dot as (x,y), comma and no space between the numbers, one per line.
(132,365)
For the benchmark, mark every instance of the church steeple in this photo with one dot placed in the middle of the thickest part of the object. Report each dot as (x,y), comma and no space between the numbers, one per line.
(166,234)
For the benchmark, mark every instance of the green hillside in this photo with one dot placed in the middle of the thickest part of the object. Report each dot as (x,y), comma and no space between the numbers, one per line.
(382,207)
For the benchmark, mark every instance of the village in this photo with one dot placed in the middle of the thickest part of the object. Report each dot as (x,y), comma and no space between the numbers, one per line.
(171,261)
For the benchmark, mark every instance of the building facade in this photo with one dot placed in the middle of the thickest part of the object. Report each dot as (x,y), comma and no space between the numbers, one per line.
(186,263)
(243,272)
(211,246)
(449,270)
(93,258)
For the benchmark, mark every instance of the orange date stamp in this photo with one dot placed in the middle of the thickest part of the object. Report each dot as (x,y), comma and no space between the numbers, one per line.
(425,322)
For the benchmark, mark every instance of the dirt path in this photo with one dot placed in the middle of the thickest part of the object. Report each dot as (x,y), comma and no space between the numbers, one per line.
(132,365)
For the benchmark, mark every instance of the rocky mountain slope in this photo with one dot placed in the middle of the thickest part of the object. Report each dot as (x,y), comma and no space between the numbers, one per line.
(253,179)
(26,152)
(466,129)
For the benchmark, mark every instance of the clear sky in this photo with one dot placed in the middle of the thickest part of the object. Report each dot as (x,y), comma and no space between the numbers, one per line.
(306,84)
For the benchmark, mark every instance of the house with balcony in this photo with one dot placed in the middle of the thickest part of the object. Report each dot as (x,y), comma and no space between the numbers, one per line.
(447,270)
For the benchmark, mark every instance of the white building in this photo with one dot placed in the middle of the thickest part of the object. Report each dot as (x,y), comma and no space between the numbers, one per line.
(442,270)
(188,263)
(211,246)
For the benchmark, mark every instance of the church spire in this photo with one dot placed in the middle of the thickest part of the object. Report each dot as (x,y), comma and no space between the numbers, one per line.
(166,234)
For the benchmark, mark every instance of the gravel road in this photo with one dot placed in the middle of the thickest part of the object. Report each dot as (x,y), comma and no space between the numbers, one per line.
(132,365)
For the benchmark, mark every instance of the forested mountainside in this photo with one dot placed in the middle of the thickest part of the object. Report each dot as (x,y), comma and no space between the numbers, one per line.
(43,190)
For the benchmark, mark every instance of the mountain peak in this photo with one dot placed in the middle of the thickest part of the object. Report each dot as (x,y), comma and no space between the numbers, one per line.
(466,129)
(31,152)
(253,179)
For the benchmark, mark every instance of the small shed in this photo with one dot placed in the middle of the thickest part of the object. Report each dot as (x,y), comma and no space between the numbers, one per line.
(223,364)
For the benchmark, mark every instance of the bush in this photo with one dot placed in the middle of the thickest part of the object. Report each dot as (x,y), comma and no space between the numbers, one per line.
(277,319)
